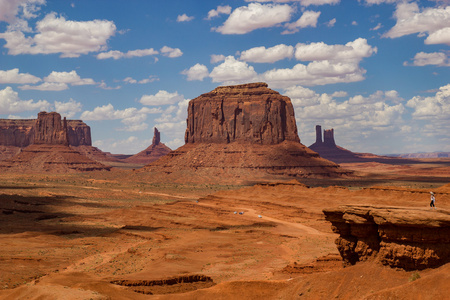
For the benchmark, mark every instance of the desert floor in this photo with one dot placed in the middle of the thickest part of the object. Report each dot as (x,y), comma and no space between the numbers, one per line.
(113,235)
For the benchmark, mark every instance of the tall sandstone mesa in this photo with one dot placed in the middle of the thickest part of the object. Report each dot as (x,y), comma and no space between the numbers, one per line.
(247,113)
(241,133)
(50,151)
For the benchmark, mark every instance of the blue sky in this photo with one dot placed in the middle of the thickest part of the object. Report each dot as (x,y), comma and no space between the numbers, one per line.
(377,71)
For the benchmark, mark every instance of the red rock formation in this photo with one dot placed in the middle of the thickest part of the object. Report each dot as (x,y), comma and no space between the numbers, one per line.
(50,151)
(328,138)
(50,130)
(248,113)
(156,137)
(18,134)
(408,238)
(329,150)
(21,133)
(241,133)
(79,133)
(152,153)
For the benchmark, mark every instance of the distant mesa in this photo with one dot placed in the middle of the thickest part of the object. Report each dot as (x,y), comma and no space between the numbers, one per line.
(50,151)
(241,133)
(16,134)
(328,149)
(152,153)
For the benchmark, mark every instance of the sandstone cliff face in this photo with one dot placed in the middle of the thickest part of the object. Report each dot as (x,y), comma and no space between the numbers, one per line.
(248,113)
(18,133)
(408,238)
(79,133)
(49,129)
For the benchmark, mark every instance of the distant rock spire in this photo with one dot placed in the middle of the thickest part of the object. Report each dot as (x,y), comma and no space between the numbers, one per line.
(328,137)
(156,137)
(318,134)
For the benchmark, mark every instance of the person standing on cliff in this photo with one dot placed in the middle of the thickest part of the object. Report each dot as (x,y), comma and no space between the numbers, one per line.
(433,200)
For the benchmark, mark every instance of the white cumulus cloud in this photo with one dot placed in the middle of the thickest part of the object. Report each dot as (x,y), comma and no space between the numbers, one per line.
(328,64)
(171,52)
(267,55)
(184,18)
(196,72)
(55,34)
(161,98)
(308,19)
(132,53)
(11,8)
(436,107)
(132,118)
(226,9)
(352,51)
(255,16)
(13,76)
(434,58)
(68,109)
(11,103)
(435,21)
(46,86)
(302,2)
(233,71)
(215,58)
(68,77)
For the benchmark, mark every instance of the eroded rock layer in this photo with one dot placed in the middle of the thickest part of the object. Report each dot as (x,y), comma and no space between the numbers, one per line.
(247,113)
(408,238)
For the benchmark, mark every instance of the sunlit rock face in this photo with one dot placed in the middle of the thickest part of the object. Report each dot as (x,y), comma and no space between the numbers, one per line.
(247,113)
